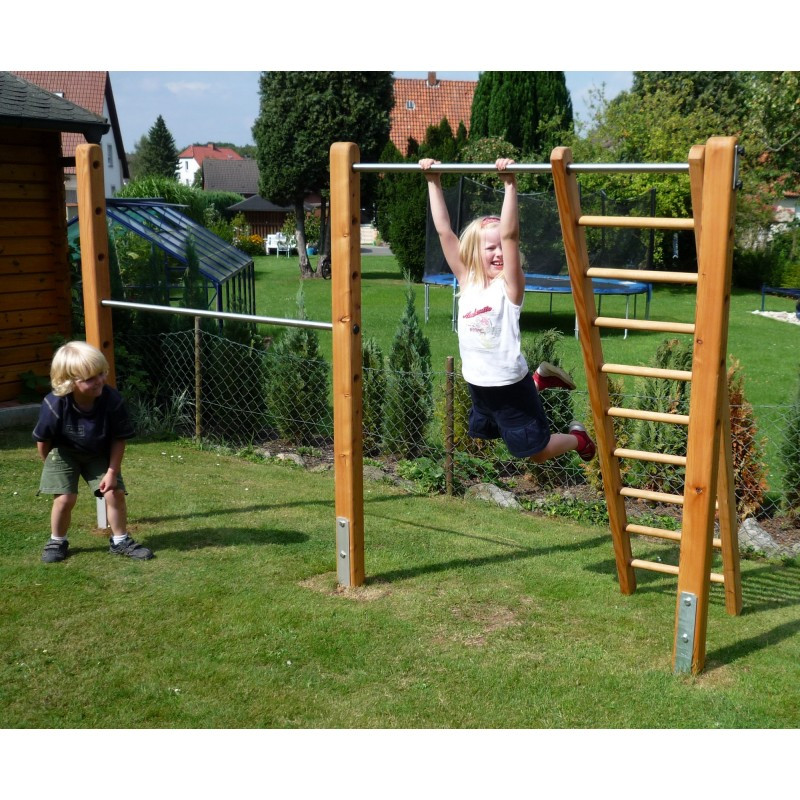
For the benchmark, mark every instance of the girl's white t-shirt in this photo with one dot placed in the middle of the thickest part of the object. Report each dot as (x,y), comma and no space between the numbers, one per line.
(488,336)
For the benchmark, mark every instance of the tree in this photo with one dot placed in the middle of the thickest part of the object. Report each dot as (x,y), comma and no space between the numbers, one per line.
(531,110)
(402,205)
(301,115)
(157,154)
(657,126)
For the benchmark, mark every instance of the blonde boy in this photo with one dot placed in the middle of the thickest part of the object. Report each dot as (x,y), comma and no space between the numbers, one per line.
(82,428)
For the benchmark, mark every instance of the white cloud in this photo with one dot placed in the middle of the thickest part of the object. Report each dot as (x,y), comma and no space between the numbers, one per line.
(190,87)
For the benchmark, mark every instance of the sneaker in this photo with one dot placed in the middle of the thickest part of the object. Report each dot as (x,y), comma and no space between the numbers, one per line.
(127,547)
(55,551)
(586,447)
(549,376)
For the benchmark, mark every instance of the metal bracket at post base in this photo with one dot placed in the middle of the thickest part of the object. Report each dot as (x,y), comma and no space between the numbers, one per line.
(343,551)
(684,636)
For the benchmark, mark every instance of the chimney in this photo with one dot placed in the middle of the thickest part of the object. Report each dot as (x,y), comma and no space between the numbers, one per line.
(432,79)
(211,145)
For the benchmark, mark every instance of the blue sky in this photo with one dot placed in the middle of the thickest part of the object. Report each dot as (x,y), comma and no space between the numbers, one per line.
(222,106)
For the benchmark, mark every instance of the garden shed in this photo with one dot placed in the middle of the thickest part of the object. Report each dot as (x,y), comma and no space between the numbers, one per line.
(227,274)
(36,293)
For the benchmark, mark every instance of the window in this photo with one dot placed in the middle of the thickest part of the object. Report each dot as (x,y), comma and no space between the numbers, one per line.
(110,151)
(410,105)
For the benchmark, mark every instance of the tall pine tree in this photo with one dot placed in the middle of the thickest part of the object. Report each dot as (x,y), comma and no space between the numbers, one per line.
(527,109)
(157,153)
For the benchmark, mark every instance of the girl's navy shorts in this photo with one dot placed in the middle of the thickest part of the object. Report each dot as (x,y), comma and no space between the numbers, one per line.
(513,413)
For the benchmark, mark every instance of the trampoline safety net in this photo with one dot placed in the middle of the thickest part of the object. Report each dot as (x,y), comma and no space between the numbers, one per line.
(541,244)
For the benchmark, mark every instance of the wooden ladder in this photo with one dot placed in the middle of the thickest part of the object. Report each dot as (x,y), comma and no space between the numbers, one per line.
(708,463)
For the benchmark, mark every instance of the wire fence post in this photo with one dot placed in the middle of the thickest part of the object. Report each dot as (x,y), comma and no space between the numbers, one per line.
(198,382)
(449,426)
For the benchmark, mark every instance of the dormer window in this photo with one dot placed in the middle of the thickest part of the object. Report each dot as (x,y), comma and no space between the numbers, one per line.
(410,105)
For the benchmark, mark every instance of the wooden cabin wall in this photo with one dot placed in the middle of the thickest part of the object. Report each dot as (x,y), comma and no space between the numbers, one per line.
(35,295)
(265,223)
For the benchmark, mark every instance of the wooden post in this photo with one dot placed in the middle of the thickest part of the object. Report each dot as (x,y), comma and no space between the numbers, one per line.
(449,425)
(708,371)
(94,252)
(726,496)
(568,199)
(345,218)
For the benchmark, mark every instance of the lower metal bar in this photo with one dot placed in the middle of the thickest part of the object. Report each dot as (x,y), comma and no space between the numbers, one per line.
(198,312)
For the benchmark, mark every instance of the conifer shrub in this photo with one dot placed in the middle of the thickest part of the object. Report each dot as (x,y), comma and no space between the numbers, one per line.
(622,434)
(297,384)
(749,469)
(669,397)
(790,455)
(373,389)
(409,387)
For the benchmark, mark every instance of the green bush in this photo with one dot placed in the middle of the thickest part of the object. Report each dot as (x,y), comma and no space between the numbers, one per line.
(373,387)
(409,405)
(790,455)
(665,396)
(297,384)
(749,470)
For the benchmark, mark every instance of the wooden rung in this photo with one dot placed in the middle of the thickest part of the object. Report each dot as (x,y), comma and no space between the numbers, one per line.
(651,275)
(644,325)
(658,533)
(647,372)
(645,494)
(654,566)
(662,533)
(660,223)
(669,569)
(650,416)
(644,455)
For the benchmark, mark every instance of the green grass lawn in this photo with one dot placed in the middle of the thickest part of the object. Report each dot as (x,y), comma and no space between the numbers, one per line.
(471,617)
(769,351)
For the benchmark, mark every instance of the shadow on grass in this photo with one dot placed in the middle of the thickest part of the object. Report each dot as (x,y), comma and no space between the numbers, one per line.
(199,538)
(520,552)
(733,652)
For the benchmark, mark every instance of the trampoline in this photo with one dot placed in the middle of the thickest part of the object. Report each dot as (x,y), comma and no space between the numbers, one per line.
(555,284)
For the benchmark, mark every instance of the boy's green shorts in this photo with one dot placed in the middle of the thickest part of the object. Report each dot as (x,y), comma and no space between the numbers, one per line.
(64,466)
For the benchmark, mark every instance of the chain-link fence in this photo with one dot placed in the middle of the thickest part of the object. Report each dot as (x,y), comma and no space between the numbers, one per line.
(198,384)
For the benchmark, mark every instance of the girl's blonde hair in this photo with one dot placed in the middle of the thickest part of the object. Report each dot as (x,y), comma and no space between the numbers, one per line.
(75,361)
(470,247)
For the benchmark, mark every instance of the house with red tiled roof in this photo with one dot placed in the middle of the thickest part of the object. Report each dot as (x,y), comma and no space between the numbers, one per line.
(420,103)
(92,91)
(191,159)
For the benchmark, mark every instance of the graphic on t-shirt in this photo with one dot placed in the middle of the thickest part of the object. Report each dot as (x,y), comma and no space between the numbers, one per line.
(480,325)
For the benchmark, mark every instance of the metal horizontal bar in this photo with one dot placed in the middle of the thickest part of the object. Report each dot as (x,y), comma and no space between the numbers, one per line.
(197,312)
(540,168)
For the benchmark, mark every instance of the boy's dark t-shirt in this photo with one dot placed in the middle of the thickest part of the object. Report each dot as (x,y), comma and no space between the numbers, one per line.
(61,422)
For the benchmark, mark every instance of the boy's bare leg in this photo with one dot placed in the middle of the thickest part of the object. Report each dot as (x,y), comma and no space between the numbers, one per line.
(117,510)
(61,514)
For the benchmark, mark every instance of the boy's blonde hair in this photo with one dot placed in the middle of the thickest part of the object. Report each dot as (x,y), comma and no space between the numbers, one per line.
(75,361)
(470,247)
